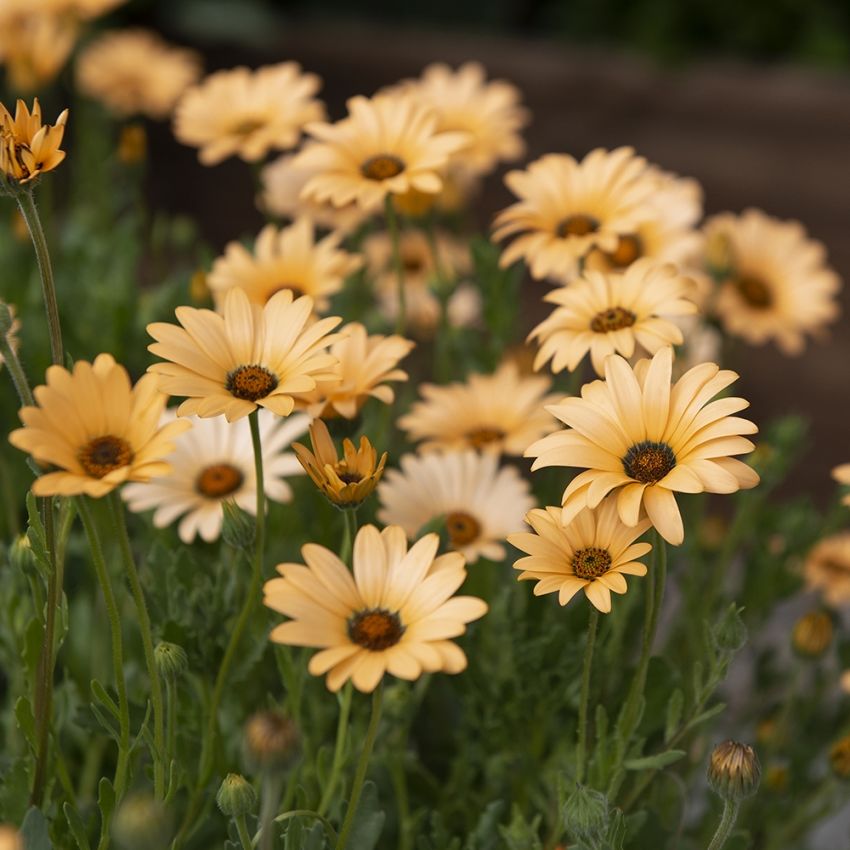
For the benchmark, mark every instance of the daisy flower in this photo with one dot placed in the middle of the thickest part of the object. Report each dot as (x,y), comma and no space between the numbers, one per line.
(28,147)
(827,569)
(637,435)
(251,356)
(841,474)
(34,44)
(480,502)
(212,462)
(396,614)
(593,553)
(96,428)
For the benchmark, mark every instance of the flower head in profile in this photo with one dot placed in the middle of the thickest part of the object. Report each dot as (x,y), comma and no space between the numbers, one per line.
(247,113)
(345,481)
(96,429)
(567,208)
(396,614)
(503,413)
(388,144)
(27,146)
(638,435)
(611,313)
(249,357)
(774,281)
(213,462)
(135,72)
(286,258)
(827,569)
(480,503)
(593,552)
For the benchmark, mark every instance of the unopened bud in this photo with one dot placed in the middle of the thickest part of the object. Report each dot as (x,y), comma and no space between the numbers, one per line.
(729,633)
(236,796)
(171,660)
(839,757)
(141,823)
(586,813)
(812,634)
(238,528)
(734,770)
(10,839)
(271,740)
(20,553)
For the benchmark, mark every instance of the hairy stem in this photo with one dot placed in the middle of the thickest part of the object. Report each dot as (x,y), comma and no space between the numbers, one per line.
(727,822)
(581,749)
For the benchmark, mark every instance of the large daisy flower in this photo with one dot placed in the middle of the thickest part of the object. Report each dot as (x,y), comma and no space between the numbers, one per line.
(637,435)
(775,283)
(287,258)
(610,313)
(96,428)
(593,553)
(387,144)
(251,356)
(479,502)
(212,462)
(502,412)
(396,614)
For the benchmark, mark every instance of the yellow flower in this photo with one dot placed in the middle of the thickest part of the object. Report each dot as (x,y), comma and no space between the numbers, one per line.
(396,614)
(247,113)
(97,429)
(839,757)
(387,144)
(777,285)
(593,552)
(479,502)
(568,208)
(610,313)
(366,363)
(635,434)
(251,356)
(135,72)
(346,481)
(287,258)
(812,634)
(28,147)
(827,569)
(841,474)
(34,45)
(503,412)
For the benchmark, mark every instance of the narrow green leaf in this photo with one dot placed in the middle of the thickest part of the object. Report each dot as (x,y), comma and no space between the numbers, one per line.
(34,831)
(26,720)
(674,714)
(104,699)
(655,762)
(75,823)
(707,715)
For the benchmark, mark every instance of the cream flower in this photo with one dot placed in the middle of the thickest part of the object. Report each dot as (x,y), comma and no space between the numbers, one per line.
(841,474)
(827,569)
(396,614)
(34,45)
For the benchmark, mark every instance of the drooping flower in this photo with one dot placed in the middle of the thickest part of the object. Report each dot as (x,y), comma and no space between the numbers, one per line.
(480,503)
(635,434)
(247,113)
(28,147)
(593,552)
(827,569)
(97,429)
(396,614)
(213,462)
(251,356)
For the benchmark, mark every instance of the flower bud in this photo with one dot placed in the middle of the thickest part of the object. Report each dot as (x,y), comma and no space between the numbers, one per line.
(586,813)
(812,634)
(132,144)
(141,823)
(729,633)
(171,660)
(238,528)
(271,740)
(20,553)
(734,771)
(10,839)
(236,796)
(839,757)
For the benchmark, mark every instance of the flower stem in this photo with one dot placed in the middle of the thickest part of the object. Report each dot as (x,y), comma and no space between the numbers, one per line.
(348,534)
(362,767)
(581,749)
(26,203)
(16,372)
(393,228)
(242,829)
(339,749)
(120,526)
(727,822)
(268,807)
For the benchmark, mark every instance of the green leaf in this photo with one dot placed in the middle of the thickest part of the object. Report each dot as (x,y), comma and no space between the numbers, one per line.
(26,720)
(674,714)
(77,827)
(369,820)
(706,715)
(315,838)
(37,536)
(655,762)
(104,699)
(34,831)
(106,799)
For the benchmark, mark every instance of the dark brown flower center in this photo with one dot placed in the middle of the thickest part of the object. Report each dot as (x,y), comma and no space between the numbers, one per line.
(375,629)
(382,167)
(754,291)
(295,288)
(648,462)
(104,454)
(347,476)
(590,563)
(412,262)
(462,528)
(577,225)
(612,319)
(250,382)
(247,126)
(219,480)
(629,248)
(484,436)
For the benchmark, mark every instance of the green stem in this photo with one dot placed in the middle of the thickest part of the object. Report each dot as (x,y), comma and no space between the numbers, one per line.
(393,228)
(268,806)
(727,822)
(362,767)
(16,372)
(26,203)
(581,749)
(339,749)
(349,516)
(171,713)
(309,813)
(242,829)
(120,782)
(120,526)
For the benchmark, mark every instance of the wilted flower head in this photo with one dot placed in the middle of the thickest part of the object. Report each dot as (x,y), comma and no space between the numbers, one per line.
(271,740)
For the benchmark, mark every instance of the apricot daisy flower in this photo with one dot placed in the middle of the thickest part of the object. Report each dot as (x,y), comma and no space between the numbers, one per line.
(247,113)
(387,144)
(396,614)
(480,503)
(28,147)
(635,434)
(34,44)
(567,208)
(503,412)
(213,462)
(251,356)
(610,313)
(287,258)
(96,428)
(593,553)
(827,569)
(841,474)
